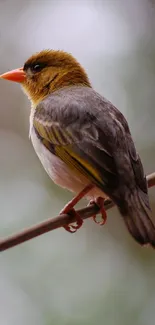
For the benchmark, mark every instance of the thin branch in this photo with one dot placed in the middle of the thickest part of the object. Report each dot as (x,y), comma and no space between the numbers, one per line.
(57,222)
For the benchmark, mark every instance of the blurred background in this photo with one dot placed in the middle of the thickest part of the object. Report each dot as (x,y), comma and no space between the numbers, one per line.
(98,275)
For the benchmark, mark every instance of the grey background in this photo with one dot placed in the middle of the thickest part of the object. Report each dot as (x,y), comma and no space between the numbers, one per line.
(99,275)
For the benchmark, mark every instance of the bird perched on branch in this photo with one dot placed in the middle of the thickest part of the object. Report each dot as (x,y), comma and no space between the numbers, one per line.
(83,141)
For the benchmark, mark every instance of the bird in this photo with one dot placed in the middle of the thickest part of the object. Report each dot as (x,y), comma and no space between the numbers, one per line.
(83,141)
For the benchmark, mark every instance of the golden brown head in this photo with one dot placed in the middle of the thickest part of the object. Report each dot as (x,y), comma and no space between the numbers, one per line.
(47,71)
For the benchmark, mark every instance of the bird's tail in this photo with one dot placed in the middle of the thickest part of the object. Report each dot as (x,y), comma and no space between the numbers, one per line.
(136,213)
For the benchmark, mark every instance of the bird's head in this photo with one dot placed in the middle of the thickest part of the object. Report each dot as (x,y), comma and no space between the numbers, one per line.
(47,71)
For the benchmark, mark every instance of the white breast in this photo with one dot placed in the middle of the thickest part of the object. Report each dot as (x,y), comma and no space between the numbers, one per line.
(55,167)
(58,170)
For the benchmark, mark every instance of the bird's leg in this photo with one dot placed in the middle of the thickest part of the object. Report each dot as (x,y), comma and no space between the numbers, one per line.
(100,203)
(69,209)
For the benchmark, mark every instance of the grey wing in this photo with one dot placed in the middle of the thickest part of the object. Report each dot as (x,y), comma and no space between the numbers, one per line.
(94,130)
(108,145)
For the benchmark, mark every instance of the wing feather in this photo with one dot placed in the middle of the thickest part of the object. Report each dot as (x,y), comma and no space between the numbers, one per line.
(91,136)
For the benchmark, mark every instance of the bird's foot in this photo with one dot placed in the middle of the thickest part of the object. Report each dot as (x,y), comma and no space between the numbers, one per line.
(69,209)
(100,203)
(71,212)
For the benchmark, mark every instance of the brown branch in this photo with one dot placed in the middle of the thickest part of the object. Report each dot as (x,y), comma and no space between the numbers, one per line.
(57,222)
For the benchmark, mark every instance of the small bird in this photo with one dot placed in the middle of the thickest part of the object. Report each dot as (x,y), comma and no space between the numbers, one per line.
(83,141)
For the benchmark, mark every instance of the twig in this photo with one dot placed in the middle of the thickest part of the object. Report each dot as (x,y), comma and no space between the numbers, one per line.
(57,222)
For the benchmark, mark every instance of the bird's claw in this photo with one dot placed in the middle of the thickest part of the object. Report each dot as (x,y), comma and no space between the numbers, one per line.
(79,222)
(69,209)
(100,203)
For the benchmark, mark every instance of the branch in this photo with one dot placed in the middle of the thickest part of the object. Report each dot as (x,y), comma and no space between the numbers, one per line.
(57,222)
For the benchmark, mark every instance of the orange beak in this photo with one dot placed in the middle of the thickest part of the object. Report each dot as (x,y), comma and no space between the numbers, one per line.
(17,75)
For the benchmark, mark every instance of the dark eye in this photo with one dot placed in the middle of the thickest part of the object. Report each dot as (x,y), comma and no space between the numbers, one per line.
(37,67)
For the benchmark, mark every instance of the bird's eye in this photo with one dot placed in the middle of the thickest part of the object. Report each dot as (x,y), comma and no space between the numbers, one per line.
(37,67)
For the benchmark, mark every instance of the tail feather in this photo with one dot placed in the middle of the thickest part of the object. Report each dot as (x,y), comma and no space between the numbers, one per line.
(137,216)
